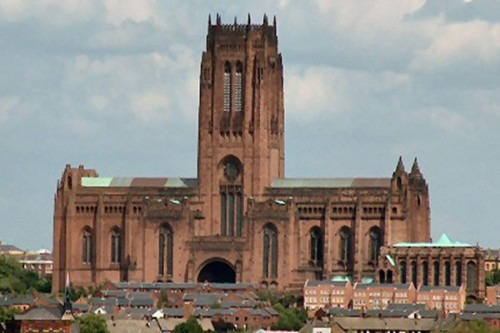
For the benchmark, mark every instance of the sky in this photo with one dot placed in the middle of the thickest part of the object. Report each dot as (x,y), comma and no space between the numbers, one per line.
(113,85)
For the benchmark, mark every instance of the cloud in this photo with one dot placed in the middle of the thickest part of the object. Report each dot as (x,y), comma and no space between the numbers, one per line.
(7,106)
(461,45)
(150,107)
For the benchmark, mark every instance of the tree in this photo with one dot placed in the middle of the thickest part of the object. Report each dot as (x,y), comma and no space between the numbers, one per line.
(190,326)
(93,324)
(163,300)
(7,314)
(15,279)
(291,319)
(493,277)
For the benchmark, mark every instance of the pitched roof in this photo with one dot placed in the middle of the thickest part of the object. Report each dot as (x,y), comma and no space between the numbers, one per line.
(315,283)
(443,241)
(138,182)
(42,313)
(330,182)
(384,324)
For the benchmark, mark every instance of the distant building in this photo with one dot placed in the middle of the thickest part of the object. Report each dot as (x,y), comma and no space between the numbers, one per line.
(239,219)
(443,263)
(11,250)
(325,294)
(493,295)
(448,299)
(491,260)
(380,296)
(40,261)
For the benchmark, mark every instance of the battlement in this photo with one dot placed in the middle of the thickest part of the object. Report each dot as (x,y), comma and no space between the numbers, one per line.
(236,30)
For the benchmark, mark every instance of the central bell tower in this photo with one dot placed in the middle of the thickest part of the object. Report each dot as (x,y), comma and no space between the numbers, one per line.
(241,121)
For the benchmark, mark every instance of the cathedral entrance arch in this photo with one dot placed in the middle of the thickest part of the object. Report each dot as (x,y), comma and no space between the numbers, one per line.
(218,271)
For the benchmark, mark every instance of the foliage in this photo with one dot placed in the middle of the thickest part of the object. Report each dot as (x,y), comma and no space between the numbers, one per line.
(7,313)
(190,326)
(163,300)
(493,277)
(287,300)
(476,326)
(93,324)
(15,279)
(291,319)
(216,305)
(76,293)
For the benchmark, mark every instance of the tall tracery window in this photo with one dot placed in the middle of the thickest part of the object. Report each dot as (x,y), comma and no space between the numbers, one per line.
(414,273)
(116,246)
(231,198)
(447,273)
(166,251)
(270,253)
(87,246)
(458,273)
(436,273)
(238,87)
(345,243)
(402,271)
(227,87)
(425,273)
(375,243)
(316,254)
(471,275)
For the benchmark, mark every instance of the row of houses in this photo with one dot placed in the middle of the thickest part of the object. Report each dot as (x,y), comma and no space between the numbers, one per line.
(400,318)
(344,294)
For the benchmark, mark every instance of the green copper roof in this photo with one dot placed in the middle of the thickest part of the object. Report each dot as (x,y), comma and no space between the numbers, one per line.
(137,182)
(443,241)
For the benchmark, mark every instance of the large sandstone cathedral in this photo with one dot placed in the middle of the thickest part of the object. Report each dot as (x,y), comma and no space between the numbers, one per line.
(240,219)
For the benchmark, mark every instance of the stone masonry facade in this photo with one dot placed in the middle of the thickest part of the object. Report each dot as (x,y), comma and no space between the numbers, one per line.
(240,219)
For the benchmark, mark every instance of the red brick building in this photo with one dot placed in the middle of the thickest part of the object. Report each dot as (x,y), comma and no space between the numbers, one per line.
(239,219)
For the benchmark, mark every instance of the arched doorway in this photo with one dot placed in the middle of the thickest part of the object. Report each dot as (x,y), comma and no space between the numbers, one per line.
(217,271)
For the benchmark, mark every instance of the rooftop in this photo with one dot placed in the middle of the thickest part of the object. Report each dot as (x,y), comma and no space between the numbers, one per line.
(330,182)
(443,241)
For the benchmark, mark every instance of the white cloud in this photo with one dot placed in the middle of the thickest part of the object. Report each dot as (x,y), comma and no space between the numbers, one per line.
(150,107)
(450,121)
(56,12)
(99,102)
(473,43)
(7,106)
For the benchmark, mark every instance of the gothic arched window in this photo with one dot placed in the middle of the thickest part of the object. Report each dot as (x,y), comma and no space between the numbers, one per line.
(227,86)
(346,246)
(270,253)
(402,271)
(436,273)
(238,87)
(231,197)
(116,246)
(458,273)
(447,273)
(414,273)
(316,254)
(471,276)
(375,243)
(87,246)
(166,248)
(425,273)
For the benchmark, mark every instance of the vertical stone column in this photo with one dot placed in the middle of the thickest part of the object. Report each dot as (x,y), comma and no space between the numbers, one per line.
(358,242)
(327,255)
(99,241)
(387,222)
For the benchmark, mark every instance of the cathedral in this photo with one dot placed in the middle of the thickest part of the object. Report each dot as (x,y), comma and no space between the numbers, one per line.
(240,219)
